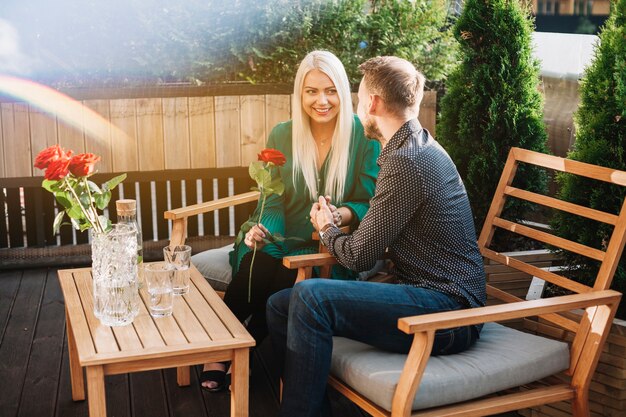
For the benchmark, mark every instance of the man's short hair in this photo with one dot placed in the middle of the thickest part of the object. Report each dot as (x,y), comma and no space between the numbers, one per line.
(396,81)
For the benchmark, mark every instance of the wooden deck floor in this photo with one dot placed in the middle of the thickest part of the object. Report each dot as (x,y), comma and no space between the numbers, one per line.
(34,373)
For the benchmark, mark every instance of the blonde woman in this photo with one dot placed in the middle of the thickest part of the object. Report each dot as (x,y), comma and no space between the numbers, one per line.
(327,154)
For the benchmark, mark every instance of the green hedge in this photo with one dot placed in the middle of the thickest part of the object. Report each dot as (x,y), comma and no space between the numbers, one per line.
(211,41)
(492,102)
(601,140)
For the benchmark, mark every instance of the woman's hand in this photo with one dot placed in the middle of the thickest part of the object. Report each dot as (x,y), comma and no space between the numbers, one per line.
(256,235)
(320,214)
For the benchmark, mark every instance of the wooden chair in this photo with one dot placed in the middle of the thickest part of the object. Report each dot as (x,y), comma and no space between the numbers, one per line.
(410,378)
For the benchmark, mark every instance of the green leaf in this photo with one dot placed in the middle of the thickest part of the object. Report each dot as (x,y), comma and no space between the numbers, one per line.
(75,213)
(255,169)
(84,226)
(259,53)
(105,223)
(63,199)
(57,222)
(102,200)
(51,185)
(93,187)
(113,182)
(278,187)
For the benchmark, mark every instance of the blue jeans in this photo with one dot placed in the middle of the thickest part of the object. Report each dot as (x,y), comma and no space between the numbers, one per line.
(302,321)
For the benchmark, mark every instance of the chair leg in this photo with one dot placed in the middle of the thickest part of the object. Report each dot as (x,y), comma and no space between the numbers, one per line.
(580,404)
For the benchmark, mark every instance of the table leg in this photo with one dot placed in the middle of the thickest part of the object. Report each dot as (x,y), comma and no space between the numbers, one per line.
(76,371)
(95,391)
(183,376)
(240,370)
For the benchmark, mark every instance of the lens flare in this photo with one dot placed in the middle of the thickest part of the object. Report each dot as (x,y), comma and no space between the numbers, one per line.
(63,107)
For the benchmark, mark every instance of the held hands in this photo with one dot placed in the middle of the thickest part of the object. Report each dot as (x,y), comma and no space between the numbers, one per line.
(321,213)
(256,234)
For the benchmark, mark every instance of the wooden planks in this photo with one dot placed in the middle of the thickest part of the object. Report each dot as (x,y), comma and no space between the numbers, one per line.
(43,132)
(227,131)
(123,144)
(16,139)
(253,136)
(202,132)
(156,133)
(176,133)
(150,134)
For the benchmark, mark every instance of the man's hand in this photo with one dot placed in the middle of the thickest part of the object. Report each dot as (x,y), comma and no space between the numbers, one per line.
(321,214)
(256,235)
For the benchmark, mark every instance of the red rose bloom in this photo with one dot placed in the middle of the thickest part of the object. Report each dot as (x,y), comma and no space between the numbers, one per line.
(273,156)
(48,155)
(83,164)
(59,168)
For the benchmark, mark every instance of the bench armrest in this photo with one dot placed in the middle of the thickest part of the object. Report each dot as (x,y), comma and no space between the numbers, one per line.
(208,206)
(507,311)
(179,216)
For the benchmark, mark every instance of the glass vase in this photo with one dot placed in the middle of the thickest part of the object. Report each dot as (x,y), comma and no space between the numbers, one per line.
(114,271)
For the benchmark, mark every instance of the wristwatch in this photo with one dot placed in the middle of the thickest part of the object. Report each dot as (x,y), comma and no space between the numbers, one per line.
(325,228)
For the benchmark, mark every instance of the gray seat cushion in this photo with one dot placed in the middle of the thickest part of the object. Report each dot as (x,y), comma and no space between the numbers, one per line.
(214,265)
(502,358)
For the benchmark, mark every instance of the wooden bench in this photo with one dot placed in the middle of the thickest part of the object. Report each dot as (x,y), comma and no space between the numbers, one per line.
(30,210)
(411,377)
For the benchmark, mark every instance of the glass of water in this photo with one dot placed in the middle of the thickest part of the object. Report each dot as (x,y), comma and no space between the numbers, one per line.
(158,278)
(179,257)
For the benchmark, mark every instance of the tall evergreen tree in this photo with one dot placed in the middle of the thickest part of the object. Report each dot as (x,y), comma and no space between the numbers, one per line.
(492,102)
(600,139)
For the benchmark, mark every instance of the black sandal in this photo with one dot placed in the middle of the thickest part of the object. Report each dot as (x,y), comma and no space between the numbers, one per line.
(216,376)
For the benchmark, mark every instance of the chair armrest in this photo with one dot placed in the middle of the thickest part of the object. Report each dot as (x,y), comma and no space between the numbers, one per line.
(466,317)
(179,216)
(208,206)
(305,261)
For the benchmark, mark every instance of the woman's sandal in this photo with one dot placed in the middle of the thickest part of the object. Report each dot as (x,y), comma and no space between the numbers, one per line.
(216,376)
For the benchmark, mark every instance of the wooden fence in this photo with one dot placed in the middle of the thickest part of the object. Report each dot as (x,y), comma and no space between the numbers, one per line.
(164,128)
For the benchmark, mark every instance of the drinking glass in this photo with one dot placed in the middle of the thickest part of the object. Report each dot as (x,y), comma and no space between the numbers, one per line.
(158,277)
(179,257)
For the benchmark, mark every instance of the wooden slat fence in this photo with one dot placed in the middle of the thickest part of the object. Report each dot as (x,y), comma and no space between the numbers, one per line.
(159,128)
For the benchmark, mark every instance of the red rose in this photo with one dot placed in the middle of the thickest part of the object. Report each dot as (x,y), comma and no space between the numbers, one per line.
(273,156)
(48,155)
(83,164)
(59,168)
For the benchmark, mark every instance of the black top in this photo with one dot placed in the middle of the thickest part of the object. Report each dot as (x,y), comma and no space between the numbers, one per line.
(420,213)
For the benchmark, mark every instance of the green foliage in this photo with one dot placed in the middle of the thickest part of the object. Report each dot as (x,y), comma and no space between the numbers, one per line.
(601,140)
(280,33)
(492,102)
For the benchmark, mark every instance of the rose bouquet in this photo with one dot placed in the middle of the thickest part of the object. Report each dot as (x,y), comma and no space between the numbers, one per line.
(67,178)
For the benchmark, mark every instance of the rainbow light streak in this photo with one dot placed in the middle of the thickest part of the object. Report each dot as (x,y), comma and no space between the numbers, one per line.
(65,108)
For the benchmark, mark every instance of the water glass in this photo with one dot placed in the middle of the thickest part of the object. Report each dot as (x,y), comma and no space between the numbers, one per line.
(158,279)
(179,257)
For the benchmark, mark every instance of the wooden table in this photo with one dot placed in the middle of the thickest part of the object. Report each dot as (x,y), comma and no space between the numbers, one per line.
(201,329)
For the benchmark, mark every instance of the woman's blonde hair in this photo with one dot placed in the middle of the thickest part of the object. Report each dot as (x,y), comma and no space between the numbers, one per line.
(304,152)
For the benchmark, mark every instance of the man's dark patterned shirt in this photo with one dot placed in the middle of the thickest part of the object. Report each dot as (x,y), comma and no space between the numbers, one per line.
(420,214)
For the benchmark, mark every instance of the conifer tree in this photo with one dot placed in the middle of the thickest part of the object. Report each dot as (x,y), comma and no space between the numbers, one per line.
(492,102)
(601,140)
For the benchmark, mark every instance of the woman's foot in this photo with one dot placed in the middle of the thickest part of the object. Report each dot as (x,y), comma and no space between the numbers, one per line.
(213,377)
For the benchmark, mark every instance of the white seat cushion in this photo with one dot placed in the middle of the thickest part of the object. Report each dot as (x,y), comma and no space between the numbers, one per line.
(502,358)
(214,265)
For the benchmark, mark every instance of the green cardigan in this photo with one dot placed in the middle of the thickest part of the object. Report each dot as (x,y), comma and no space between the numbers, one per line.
(289,214)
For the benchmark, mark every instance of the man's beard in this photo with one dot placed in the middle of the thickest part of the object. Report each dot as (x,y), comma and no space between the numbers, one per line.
(372,131)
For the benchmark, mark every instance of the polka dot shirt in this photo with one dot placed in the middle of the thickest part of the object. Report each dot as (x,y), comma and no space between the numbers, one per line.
(421,215)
